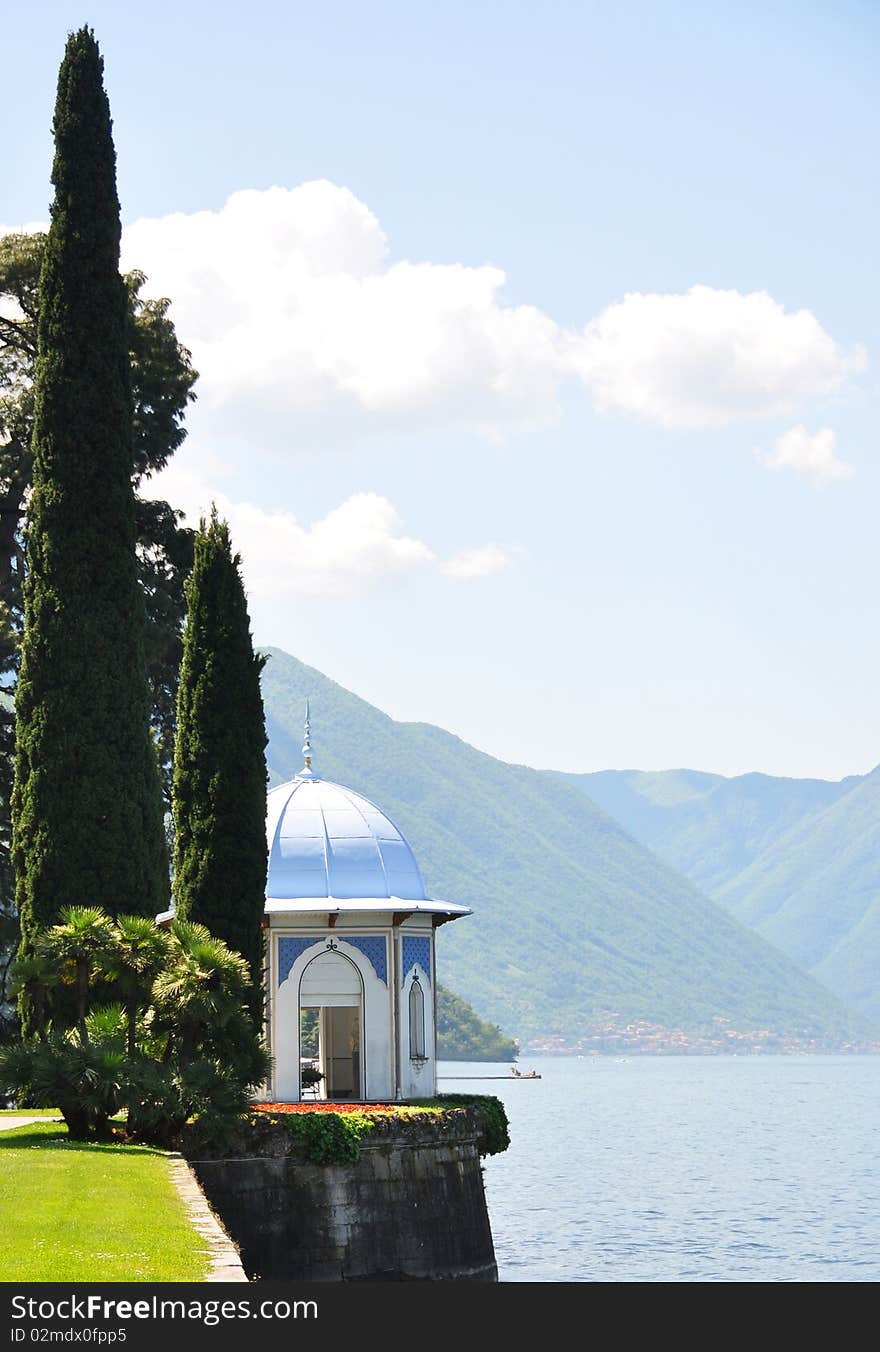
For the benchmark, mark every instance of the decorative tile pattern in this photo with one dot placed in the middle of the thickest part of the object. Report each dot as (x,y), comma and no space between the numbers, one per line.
(288,952)
(416,950)
(376,950)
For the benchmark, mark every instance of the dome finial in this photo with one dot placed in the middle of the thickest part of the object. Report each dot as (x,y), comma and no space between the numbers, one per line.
(307,772)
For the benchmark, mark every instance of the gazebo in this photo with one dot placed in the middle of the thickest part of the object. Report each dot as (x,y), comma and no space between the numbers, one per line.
(351,980)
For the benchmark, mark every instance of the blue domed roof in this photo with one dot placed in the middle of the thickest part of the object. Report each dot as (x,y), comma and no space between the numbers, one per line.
(328,841)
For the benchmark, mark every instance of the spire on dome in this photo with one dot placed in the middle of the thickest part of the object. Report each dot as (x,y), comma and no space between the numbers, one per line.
(307,772)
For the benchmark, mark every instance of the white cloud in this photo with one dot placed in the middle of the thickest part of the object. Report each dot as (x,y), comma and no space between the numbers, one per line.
(32,228)
(291,307)
(813,455)
(286,296)
(354,547)
(10,309)
(348,550)
(708,357)
(480,562)
(289,303)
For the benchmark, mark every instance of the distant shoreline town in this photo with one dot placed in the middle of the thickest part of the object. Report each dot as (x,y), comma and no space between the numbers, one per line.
(643,1037)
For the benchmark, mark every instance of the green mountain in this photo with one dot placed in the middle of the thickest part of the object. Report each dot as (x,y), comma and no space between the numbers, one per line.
(706,826)
(797,860)
(576,925)
(463,1036)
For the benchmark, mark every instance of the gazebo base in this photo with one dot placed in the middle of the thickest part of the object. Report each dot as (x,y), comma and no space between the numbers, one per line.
(410,1208)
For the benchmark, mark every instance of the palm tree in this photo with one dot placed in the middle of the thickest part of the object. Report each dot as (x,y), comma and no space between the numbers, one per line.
(202,990)
(140,953)
(32,975)
(82,941)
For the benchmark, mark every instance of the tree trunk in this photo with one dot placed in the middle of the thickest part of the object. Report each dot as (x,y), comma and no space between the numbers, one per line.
(82,998)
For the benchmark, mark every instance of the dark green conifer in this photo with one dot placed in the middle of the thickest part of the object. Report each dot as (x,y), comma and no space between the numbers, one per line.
(87,808)
(219,784)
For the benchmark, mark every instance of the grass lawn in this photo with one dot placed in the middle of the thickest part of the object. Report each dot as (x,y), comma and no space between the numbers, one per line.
(77,1212)
(29,1112)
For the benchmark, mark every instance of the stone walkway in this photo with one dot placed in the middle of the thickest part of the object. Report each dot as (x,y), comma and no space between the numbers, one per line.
(225,1263)
(8,1123)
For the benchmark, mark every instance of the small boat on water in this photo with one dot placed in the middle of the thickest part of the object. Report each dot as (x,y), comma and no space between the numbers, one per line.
(514,1075)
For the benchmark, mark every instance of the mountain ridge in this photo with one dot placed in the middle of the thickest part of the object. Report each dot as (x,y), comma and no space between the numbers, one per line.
(796,860)
(584,923)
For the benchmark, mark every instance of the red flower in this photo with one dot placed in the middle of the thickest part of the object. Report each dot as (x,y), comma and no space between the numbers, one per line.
(325,1107)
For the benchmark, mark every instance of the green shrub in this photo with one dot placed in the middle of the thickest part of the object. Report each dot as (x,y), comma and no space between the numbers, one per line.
(493,1118)
(86,1081)
(329,1138)
(181,1051)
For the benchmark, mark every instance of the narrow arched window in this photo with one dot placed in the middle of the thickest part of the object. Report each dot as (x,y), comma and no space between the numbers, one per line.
(416,1021)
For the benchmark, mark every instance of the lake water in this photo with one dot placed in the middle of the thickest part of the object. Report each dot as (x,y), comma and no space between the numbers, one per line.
(686,1169)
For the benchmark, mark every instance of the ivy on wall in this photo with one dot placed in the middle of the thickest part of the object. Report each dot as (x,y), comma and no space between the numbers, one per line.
(333,1135)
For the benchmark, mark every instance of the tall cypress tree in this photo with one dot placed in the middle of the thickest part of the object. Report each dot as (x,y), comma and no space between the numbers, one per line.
(87,809)
(219,785)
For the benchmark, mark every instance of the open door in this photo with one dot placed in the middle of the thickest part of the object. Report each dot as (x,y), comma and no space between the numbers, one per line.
(331,986)
(340,1055)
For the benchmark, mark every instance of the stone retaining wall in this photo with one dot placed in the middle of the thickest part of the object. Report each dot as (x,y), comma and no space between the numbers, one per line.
(411,1208)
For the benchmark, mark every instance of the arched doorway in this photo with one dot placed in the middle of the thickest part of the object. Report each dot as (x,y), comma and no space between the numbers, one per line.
(331,994)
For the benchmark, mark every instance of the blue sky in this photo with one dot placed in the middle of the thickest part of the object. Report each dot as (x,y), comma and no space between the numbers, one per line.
(541,392)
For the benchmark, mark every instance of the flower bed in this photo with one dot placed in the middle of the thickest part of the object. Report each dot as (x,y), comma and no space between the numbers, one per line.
(325,1106)
(332,1133)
